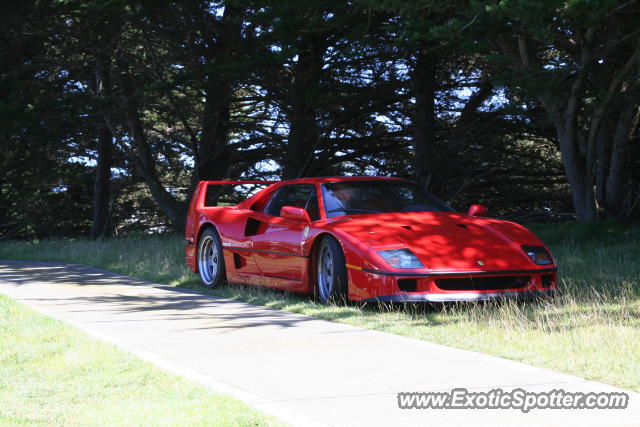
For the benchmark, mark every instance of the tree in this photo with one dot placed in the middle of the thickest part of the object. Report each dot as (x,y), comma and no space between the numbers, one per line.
(581,61)
(112,111)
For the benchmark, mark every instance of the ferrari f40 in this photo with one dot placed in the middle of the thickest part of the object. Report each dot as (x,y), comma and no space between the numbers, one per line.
(363,239)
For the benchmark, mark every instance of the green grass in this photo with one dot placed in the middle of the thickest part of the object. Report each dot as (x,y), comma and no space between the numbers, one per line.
(54,374)
(592,330)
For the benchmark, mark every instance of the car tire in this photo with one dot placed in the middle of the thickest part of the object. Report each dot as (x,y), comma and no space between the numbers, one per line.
(331,272)
(210,259)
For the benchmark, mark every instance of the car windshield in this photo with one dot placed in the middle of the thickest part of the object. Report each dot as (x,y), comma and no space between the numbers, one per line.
(371,196)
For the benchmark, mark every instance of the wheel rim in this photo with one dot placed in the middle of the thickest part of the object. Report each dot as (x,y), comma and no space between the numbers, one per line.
(325,273)
(208,260)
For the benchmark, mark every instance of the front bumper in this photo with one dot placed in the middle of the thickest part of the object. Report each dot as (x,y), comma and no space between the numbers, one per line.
(448,286)
(466,296)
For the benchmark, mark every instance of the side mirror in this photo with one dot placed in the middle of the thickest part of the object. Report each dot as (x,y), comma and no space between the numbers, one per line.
(294,214)
(478,210)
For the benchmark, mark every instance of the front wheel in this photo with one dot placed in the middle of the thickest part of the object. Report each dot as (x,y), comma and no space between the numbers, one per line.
(210,259)
(331,272)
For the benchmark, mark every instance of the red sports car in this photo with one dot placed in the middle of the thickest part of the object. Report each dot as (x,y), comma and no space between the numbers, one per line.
(363,239)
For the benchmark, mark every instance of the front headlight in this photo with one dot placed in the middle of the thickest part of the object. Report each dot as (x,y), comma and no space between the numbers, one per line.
(401,258)
(538,254)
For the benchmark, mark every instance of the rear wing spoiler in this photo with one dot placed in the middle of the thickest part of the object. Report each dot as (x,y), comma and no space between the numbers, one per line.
(250,181)
(198,199)
(208,197)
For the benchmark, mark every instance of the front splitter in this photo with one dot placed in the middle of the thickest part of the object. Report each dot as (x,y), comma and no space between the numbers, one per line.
(465,296)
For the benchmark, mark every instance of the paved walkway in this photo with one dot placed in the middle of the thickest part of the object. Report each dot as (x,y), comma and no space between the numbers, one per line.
(303,370)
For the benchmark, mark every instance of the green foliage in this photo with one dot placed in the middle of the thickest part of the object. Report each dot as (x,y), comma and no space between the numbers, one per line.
(53,374)
(235,89)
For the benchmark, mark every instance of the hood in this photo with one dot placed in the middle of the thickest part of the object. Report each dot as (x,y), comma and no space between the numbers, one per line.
(443,240)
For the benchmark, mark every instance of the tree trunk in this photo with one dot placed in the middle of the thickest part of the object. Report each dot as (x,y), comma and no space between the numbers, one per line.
(143,158)
(102,183)
(303,135)
(582,193)
(615,185)
(213,158)
(104,149)
(564,109)
(424,117)
(602,161)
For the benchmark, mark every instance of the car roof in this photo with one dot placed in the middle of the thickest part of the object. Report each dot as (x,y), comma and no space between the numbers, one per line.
(325,179)
(313,180)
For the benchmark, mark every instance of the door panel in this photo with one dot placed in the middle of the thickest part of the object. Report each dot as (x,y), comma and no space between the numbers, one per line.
(278,248)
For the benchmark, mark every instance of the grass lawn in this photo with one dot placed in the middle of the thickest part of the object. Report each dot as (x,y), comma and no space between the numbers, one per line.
(54,374)
(592,330)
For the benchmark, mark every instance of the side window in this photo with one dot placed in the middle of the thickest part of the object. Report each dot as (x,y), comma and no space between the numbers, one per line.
(301,196)
(312,206)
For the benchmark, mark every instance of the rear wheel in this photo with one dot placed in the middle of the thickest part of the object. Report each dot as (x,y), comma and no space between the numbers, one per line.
(210,259)
(331,272)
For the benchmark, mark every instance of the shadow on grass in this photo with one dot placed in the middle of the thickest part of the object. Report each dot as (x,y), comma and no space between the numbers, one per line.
(550,314)
(419,314)
(558,314)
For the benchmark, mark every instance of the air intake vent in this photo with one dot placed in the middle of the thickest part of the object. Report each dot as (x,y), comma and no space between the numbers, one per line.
(408,285)
(239,261)
(252,227)
(483,283)
(547,280)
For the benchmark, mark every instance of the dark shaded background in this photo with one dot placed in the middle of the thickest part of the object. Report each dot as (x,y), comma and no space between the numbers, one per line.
(111,111)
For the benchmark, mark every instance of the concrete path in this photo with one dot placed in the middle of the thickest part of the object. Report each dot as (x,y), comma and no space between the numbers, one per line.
(303,370)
